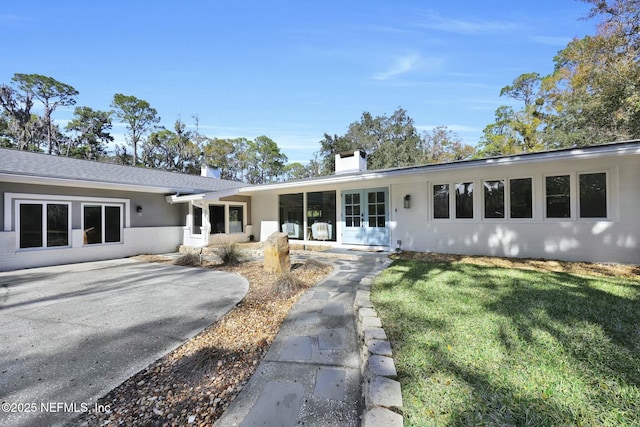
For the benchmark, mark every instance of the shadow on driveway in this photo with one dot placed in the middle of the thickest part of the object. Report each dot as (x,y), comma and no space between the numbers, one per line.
(71,333)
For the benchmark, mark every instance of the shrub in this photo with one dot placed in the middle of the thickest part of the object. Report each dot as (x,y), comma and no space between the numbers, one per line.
(188,259)
(230,254)
(288,284)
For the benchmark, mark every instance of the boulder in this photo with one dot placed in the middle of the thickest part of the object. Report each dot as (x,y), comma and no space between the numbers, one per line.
(276,253)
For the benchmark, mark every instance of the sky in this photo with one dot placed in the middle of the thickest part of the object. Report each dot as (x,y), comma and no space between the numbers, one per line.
(291,70)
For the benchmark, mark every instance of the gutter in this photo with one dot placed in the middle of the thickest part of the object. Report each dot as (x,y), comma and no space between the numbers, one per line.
(211,195)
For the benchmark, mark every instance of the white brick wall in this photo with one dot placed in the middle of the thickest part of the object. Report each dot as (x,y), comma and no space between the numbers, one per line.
(149,240)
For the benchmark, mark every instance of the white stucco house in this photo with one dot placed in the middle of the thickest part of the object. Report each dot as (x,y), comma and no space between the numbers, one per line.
(578,204)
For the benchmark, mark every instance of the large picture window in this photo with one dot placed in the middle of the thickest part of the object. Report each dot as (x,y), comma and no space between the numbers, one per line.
(521,198)
(321,215)
(593,195)
(441,201)
(102,224)
(43,225)
(558,195)
(464,200)
(494,199)
(291,215)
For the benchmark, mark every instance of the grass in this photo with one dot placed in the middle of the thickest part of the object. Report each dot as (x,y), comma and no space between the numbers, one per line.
(483,345)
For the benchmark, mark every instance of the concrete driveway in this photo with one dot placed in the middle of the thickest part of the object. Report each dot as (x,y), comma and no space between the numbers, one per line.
(69,334)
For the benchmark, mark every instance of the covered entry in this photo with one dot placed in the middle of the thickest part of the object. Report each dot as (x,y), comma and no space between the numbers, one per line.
(365,217)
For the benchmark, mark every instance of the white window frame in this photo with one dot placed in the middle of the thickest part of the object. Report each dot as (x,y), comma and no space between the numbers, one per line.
(474,204)
(44,204)
(103,219)
(207,220)
(483,199)
(533,199)
(572,197)
(432,205)
(608,200)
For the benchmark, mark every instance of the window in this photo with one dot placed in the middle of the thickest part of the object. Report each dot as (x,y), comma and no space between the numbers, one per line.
(521,198)
(558,194)
(291,215)
(43,225)
(441,201)
(494,199)
(464,200)
(321,215)
(217,219)
(352,214)
(376,206)
(197,220)
(593,195)
(236,217)
(102,224)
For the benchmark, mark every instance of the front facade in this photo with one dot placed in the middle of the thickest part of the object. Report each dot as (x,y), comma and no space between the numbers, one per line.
(57,210)
(578,204)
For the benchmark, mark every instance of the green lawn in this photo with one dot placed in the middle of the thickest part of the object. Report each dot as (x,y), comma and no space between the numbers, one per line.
(478,345)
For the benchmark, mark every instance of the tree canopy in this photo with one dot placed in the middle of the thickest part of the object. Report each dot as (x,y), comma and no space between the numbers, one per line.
(591,97)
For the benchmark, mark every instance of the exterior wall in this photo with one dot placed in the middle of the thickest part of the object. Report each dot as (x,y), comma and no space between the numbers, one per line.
(157,229)
(142,240)
(156,212)
(612,239)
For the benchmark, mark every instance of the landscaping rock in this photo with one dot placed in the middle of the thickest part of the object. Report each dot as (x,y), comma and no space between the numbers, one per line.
(382,417)
(276,254)
(384,392)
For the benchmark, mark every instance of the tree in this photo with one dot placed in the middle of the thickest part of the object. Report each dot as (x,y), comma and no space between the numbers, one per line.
(519,131)
(17,110)
(295,170)
(595,90)
(267,162)
(51,93)
(91,128)
(137,115)
(172,150)
(442,145)
(387,141)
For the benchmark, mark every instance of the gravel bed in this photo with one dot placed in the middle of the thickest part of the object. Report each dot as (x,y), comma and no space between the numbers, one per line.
(194,384)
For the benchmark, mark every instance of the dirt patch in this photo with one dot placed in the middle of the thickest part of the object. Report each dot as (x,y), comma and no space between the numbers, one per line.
(580,268)
(194,384)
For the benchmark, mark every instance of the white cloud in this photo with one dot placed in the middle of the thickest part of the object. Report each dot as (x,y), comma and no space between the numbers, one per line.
(406,64)
(461,26)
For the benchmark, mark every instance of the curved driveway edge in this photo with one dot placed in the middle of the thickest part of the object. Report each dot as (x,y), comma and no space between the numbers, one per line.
(69,334)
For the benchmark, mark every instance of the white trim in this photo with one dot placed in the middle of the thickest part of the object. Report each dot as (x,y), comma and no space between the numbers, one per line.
(8,197)
(607,178)
(103,219)
(572,193)
(508,199)
(44,205)
(483,200)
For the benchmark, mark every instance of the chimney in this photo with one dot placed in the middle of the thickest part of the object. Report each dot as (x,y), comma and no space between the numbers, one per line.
(355,161)
(209,172)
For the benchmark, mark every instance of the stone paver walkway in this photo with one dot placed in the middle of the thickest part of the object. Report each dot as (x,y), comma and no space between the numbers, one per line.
(311,375)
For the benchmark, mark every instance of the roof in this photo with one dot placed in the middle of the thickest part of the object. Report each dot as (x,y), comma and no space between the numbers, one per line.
(38,168)
(614,148)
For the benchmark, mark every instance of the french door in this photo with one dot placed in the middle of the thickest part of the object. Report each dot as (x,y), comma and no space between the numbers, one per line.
(365,217)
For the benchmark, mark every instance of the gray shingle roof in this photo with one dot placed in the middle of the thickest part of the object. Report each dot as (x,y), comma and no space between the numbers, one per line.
(37,165)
